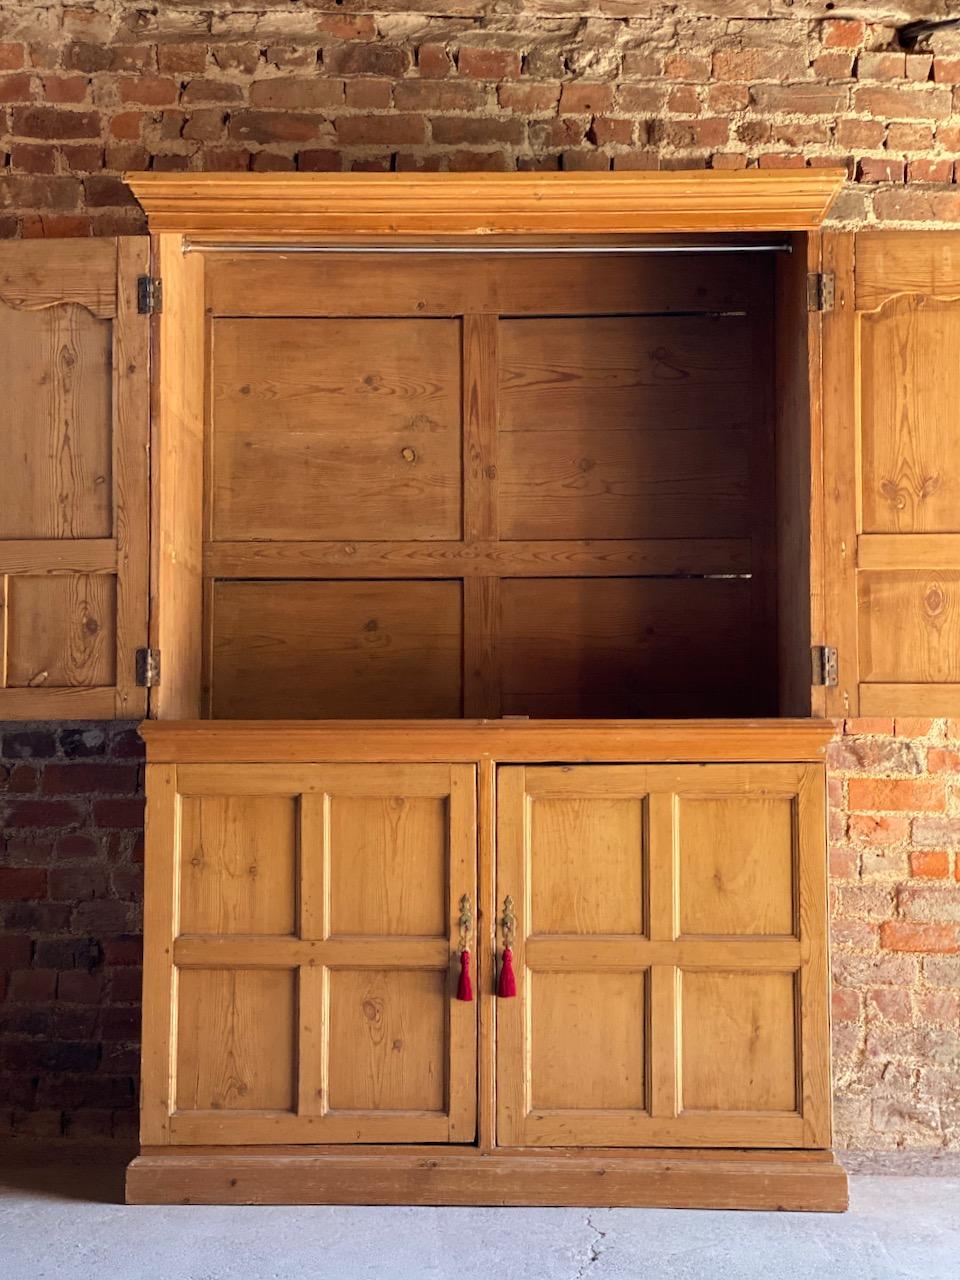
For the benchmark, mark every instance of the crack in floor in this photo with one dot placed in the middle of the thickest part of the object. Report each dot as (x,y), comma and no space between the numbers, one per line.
(596,1249)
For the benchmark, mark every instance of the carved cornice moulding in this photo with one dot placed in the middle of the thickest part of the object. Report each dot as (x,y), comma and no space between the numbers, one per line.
(358,205)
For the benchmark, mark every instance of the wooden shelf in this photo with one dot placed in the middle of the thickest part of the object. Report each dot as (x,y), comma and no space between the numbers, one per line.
(355,205)
(655,741)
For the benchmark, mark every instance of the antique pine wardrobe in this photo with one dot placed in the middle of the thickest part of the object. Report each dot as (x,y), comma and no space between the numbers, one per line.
(507,536)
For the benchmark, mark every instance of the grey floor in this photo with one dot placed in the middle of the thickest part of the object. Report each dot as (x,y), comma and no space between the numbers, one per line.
(66,1224)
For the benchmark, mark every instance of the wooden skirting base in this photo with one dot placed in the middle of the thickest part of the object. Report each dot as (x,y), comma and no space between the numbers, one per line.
(795,1180)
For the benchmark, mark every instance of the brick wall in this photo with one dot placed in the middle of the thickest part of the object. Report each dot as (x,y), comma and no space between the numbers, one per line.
(89,89)
(895,884)
(71,892)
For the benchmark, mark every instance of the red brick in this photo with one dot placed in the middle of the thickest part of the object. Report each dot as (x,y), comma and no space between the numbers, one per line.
(639,65)
(33,986)
(683,100)
(580,98)
(152,91)
(434,61)
(43,813)
(910,137)
(930,171)
(946,70)
(846,1005)
(33,159)
(276,126)
(937,833)
(480,63)
(881,66)
(358,59)
(118,813)
(432,95)
(929,864)
(49,122)
(605,131)
(477,131)
(15,88)
(528,99)
(201,92)
(869,724)
(874,830)
(836,64)
(897,794)
(842,33)
(388,130)
(769,62)
(75,779)
(893,1004)
(370,94)
(22,884)
(880,170)
(11,56)
(683,66)
(844,863)
(804,99)
(65,88)
(897,935)
(190,58)
(127,124)
(288,94)
(905,102)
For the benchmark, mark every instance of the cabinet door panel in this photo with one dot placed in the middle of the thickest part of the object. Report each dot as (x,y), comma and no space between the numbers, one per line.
(74,375)
(677,997)
(892,473)
(314,945)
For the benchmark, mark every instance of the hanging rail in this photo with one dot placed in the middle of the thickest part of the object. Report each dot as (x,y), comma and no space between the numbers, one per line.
(202,246)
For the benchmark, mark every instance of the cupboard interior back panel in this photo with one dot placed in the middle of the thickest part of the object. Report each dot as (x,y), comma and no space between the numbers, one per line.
(540,487)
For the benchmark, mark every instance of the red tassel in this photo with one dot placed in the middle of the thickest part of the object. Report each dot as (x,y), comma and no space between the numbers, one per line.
(464,986)
(507,986)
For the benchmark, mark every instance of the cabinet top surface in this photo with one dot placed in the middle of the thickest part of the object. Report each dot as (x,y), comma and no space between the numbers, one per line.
(583,741)
(292,206)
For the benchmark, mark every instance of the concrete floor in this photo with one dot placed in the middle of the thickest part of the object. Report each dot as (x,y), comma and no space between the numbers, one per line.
(65,1224)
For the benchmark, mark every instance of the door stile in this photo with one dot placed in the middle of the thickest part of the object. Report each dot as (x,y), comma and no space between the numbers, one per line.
(663,981)
(313,984)
(814,975)
(462,1064)
(485,953)
(512,1020)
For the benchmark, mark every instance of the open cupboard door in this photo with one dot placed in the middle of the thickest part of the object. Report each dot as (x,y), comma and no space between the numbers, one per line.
(74,349)
(891,368)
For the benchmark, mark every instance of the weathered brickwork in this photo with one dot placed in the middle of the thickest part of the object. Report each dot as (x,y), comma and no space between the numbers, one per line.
(895,883)
(92,88)
(71,894)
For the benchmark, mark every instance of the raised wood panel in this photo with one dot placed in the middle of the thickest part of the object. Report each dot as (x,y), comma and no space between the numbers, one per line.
(623,372)
(387,1046)
(336,650)
(909,626)
(388,865)
(239,864)
(738,1041)
(587,1033)
(599,482)
(61,631)
(236,1040)
(73,478)
(356,423)
(622,647)
(56,446)
(602,893)
(736,864)
(910,432)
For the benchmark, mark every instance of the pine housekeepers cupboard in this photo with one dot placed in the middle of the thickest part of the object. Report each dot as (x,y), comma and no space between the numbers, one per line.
(485,552)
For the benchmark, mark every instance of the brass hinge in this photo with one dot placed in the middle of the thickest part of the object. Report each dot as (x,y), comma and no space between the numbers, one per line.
(149,295)
(148,668)
(824,665)
(821,291)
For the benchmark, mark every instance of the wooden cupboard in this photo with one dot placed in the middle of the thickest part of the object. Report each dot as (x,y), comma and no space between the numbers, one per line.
(455,483)
(667,919)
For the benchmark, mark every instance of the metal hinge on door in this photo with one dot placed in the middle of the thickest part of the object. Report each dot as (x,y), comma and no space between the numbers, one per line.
(824,665)
(821,291)
(149,295)
(148,668)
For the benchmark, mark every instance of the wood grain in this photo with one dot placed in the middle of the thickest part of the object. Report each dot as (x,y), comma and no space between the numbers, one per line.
(357,423)
(272,206)
(316,649)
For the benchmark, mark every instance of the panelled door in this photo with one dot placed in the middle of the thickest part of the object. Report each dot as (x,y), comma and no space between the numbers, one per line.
(312,962)
(74,377)
(670,956)
(891,368)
